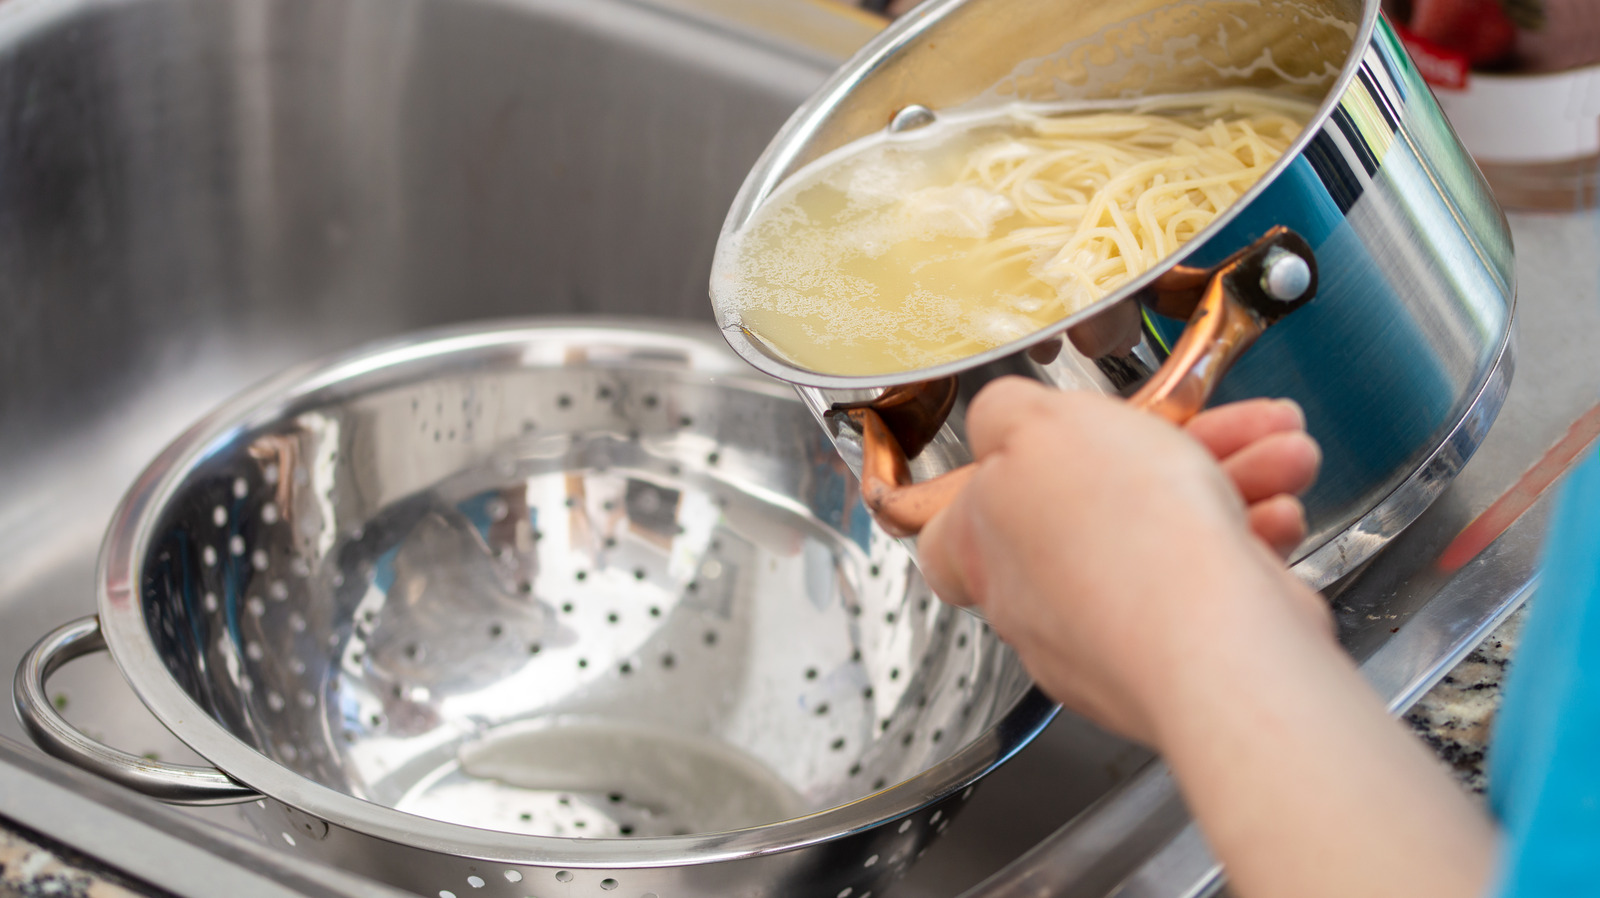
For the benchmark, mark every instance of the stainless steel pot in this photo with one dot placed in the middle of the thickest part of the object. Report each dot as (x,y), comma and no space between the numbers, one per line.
(542,608)
(1400,361)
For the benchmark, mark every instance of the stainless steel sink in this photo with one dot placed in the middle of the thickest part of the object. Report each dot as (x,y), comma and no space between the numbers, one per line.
(197,193)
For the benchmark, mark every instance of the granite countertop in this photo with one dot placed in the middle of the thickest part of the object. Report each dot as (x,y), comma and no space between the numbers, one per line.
(28,869)
(1456,716)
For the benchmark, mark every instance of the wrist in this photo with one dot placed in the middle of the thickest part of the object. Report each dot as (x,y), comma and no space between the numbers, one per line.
(1263,640)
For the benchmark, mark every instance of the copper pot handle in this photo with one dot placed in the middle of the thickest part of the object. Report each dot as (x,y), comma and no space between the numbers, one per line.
(1233,304)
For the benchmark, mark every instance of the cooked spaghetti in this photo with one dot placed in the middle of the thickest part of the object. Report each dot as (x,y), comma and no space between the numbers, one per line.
(895,254)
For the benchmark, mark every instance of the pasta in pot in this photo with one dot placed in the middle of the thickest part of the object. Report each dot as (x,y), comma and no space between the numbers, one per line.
(899,253)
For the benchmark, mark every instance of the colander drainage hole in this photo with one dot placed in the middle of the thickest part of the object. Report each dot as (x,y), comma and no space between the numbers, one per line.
(838,744)
(668,661)
(866,692)
(475,881)
(855,769)
(581,576)
(563,876)
(639,573)
(655,611)
(564,401)
(583,662)
(603,393)
(626,668)
(822,709)
(625,829)
(894,673)
(534,648)
(878,784)
(566,607)
(513,876)
(711,637)
(811,673)
(495,630)
(613,618)
(650,400)
(611,542)
(874,570)
(608,884)
(713,457)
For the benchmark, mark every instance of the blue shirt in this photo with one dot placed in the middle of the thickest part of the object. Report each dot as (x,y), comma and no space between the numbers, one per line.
(1544,760)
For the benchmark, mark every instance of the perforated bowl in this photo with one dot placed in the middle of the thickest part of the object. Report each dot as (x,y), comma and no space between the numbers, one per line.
(543,609)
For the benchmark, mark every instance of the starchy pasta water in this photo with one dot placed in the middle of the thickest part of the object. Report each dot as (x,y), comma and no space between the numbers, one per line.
(900,252)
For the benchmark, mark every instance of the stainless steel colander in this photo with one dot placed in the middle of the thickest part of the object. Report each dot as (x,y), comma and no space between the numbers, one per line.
(542,609)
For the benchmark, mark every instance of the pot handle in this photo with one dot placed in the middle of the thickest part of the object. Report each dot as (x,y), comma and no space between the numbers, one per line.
(171,783)
(1236,302)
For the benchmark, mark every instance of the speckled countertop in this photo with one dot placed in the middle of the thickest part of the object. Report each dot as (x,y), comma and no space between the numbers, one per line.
(30,870)
(1456,716)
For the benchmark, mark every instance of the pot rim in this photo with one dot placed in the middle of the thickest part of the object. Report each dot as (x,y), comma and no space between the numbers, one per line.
(776,166)
(126,630)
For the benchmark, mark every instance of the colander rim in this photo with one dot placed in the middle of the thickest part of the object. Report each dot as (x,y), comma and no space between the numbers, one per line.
(133,527)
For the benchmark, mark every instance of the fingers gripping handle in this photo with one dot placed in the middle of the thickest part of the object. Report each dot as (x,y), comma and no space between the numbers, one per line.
(1243,296)
(171,783)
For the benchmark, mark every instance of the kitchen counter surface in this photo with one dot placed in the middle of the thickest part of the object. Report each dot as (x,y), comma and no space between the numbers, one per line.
(1456,717)
(30,870)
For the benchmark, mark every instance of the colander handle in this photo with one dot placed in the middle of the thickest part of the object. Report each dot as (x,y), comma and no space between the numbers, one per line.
(171,783)
(1237,301)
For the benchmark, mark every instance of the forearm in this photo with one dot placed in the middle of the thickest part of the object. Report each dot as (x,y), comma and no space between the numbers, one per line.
(1301,782)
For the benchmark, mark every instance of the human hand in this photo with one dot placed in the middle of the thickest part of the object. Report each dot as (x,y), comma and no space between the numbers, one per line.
(1100,541)
(1264,449)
